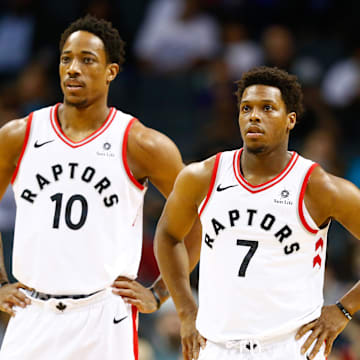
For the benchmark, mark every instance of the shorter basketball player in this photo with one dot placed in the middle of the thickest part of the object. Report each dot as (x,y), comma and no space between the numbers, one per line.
(79,171)
(265,213)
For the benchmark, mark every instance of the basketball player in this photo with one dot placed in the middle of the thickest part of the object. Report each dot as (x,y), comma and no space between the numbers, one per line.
(265,213)
(79,170)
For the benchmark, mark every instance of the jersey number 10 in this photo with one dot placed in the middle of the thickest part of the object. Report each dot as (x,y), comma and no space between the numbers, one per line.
(68,209)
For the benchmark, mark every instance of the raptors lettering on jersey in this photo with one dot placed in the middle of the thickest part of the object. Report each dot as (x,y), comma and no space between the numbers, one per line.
(266,223)
(71,170)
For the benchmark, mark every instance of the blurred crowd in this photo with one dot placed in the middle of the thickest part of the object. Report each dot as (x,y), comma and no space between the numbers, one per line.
(183,57)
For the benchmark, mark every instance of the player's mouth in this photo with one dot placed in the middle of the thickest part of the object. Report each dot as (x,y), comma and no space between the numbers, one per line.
(74,85)
(254,132)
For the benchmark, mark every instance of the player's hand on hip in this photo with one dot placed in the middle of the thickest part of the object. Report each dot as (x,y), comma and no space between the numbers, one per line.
(324,329)
(11,296)
(135,294)
(191,340)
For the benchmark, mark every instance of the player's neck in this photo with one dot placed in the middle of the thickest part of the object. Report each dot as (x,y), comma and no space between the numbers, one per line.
(80,119)
(257,168)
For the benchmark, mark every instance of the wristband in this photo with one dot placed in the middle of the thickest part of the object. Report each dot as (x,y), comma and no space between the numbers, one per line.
(343,310)
(156,296)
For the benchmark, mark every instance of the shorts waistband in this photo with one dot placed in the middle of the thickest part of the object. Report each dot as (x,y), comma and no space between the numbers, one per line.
(42,296)
(254,344)
(68,303)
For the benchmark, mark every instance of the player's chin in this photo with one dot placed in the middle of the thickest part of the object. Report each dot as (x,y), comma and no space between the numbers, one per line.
(75,101)
(255,147)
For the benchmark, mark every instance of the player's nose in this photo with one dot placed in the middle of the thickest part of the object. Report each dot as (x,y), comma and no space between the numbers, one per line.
(73,68)
(254,115)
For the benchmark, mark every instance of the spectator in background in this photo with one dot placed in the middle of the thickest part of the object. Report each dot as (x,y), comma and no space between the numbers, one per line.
(321,146)
(33,88)
(17,26)
(146,351)
(241,53)
(167,341)
(341,84)
(279,47)
(177,35)
(341,89)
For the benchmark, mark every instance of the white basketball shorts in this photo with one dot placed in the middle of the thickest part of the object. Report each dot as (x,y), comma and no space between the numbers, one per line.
(100,326)
(280,349)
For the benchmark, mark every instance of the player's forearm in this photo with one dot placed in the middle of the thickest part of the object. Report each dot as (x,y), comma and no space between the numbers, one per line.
(3,274)
(173,260)
(351,300)
(193,244)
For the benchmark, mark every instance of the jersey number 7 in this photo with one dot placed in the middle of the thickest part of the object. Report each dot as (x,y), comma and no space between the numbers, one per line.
(253,246)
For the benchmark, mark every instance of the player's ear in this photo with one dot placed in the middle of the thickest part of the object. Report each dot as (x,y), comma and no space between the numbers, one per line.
(291,120)
(111,72)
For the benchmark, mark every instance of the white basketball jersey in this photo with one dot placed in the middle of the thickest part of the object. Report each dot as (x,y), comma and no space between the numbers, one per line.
(262,256)
(79,208)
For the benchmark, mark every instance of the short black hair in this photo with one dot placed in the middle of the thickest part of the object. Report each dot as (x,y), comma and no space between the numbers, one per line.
(288,85)
(113,44)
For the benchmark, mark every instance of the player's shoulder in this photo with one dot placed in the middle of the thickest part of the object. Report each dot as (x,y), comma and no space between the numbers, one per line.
(321,180)
(147,138)
(199,172)
(326,187)
(12,138)
(14,129)
(150,146)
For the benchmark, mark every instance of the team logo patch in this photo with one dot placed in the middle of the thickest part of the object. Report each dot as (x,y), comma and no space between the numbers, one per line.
(107,146)
(284,198)
(105,151)
(60,306)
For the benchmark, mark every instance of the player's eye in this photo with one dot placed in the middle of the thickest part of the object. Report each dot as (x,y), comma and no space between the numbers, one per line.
(245,108)
(88,60)
(65,59)
(268,107)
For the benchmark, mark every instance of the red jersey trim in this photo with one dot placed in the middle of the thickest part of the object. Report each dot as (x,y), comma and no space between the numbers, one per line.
(268,184)
(212,182)
(26,139)
(124,158)
(301,200)
(75,144)
(135,333)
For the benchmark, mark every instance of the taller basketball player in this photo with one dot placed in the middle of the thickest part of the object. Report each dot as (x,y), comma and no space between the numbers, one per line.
(265,212)
(79,170)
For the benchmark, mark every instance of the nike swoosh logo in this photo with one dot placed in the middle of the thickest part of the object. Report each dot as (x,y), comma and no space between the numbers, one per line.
(37,145)
(219,188)
(117,321)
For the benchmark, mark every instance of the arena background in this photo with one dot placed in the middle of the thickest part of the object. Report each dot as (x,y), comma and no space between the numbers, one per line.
(183,57)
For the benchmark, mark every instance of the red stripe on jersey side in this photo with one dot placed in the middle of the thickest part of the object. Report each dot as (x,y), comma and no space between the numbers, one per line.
(26,139)
(135,333)
(301,200)
(268,184)
(124,152)
(212,182)
(75,144)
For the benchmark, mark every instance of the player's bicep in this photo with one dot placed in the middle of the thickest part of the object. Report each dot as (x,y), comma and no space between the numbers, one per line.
(181,211)
(178,216)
